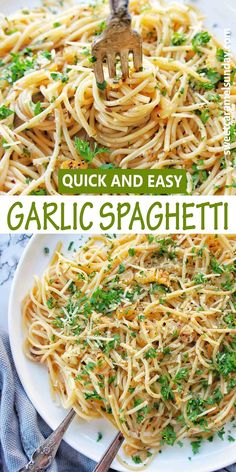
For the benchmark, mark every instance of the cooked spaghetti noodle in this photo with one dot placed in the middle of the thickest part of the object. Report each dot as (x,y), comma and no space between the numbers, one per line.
(141,330)
(170,114)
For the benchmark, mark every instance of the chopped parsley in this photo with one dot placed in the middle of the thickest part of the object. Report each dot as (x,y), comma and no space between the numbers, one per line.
(226,362)
(46,54)
(58,76)
(5,112)
(216,267)
(70,246)
(200,39)
(101,28)
(204,115)
(196,446)
(168,435)
(37,108)
(85,151)
(216,397)
(100,436)
(102,85)
(92,59)
(195,407)
(151,353)
(39,192)
(137,459)
(111,345)
(178,39)
(121,269)
(221,433)
(199,278)
(110,165)
(182,374)
(213,97)
(220,55)
(166,391)
(232,133)
(131,251)
(92,396)
(17,68)
(50,302)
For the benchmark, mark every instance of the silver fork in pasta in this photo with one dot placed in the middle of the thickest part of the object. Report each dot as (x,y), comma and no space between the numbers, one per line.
(117,40)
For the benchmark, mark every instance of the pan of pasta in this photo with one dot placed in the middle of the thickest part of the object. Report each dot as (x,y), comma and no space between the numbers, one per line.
(53,114)
(137,333)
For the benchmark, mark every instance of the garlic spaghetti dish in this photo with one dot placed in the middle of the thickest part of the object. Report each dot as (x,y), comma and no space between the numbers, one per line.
(54,115)
(141,330)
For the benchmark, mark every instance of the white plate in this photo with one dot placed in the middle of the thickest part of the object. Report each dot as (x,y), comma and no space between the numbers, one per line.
(219,14)
(82,436)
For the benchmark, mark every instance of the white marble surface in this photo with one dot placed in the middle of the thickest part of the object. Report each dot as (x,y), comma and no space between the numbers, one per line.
(11,248)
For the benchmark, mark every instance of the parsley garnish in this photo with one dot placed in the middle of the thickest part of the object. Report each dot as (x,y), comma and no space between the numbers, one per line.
(137,460)
(50,303)
(168,435)
(85,151)
(182,374)
(58,76)
(46,54)
(110,165)
(212,75)
(102,85)
(196,446)
(199,278)
(131,251)
(178,39)
(101,28)
(151,353)
(216,267)
(200,39)
(166,391)
(121,269)
(5,112)
(204,115)
(213,97)
(17,68)
(195,407)
(232,133)
(37,108)
(40,191)
(226,362)
(220,55)
(92,396)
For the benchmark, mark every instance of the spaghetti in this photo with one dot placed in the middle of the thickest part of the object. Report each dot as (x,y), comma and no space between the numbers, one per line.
(141,330)
(169,115)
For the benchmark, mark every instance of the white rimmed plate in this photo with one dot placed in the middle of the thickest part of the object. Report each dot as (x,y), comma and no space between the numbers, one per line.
(82,436)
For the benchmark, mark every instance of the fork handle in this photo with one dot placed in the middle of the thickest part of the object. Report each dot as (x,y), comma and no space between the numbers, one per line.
(110,454)
(119,8)
(45,454)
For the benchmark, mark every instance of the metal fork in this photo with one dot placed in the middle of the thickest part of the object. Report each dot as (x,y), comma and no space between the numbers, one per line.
(118,39)
(44,456)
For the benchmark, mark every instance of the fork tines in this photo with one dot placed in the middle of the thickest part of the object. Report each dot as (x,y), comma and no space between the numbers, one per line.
(116,44)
